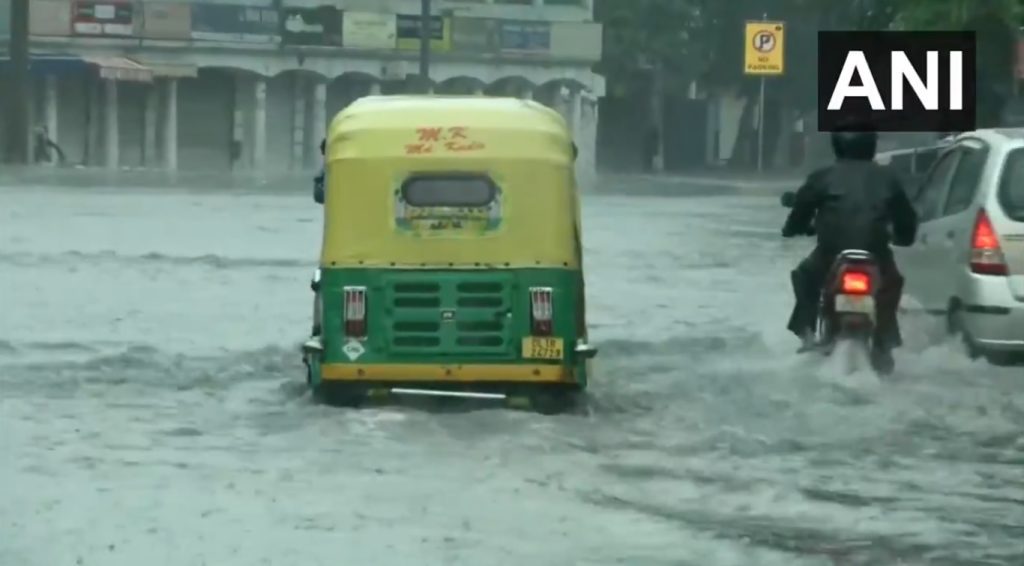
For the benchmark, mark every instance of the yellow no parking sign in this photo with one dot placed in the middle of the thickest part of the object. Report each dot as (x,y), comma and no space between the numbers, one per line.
(764,51)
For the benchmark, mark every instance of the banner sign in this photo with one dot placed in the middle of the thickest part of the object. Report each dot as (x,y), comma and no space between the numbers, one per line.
(475,35)
(229,23)
(312,26)
(49,18)
(103,18)
(166,21)
(529,36)
(408,33)
(369,30)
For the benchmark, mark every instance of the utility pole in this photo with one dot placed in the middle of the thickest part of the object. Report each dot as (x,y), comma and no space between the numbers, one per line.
(426,32)
(18,111)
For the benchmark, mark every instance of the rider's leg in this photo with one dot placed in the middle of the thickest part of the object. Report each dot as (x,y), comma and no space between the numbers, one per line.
(807,279)
(887,331)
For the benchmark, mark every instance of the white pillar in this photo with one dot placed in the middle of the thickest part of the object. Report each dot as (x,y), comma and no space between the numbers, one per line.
(171,125)
(575,109)
(527,93)
(149,126)
(374,89)
(478,90)
(238,123)
(259,123)
(51,104)
(111,139)
(298,121)
(93,130)
(318,127)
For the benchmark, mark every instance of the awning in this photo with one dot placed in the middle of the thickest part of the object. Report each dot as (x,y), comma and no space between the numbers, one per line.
(173,70)
(120,69)
(41,65)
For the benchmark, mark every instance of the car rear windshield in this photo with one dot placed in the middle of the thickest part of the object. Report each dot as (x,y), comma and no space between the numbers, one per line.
(1011,187)
(460,191)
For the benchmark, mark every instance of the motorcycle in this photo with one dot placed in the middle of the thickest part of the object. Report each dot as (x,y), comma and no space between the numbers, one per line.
(847,310)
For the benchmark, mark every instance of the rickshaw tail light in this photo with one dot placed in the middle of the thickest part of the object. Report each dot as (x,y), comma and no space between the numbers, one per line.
(355,312)
(541,310)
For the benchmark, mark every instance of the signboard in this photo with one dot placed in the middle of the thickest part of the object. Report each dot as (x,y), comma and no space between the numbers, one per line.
(312,26)
(580,41)
(166,21)
(525,36)
(475,35)
(49,18)
(103,18)
(223,22)
(408,33)
(764,51)
(368,30)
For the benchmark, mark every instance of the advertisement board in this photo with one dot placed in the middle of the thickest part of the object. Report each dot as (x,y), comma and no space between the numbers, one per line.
(369,30)
(166,21)
(312,26)
(408,33)
(475,35)
(49,18)
(576,40)
(109,18)
(230,23)
(525,36)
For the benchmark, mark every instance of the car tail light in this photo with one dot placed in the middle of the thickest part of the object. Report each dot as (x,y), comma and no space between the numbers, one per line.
(540,311)
(355,312)
(986,253)
(855,283)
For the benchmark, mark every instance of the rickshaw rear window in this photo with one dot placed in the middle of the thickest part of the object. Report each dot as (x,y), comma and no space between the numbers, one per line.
(462,191)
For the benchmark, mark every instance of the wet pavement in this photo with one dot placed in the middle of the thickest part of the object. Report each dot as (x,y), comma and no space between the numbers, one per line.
(152,408)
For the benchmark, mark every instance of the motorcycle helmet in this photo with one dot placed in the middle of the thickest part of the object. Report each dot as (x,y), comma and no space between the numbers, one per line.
(855,140)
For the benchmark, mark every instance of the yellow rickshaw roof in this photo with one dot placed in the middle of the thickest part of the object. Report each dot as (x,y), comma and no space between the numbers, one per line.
(404,112)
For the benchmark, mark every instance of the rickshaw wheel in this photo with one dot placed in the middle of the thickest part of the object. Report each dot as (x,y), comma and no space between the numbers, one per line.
(339,395)
(554,402)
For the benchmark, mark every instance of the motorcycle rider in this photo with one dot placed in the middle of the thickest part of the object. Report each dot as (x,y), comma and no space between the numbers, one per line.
(851,204)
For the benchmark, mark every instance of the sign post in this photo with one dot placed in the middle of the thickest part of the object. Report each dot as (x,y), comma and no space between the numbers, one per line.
(426,34)
(764,55)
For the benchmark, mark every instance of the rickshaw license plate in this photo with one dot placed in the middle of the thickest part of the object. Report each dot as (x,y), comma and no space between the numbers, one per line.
(535,348)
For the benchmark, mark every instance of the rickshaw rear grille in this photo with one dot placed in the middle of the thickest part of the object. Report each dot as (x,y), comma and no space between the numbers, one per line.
(451,316)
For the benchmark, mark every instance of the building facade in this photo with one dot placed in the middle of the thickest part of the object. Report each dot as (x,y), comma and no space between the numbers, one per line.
(252,85)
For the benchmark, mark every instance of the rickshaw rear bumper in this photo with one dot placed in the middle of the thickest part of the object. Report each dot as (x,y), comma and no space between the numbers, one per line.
(383,373)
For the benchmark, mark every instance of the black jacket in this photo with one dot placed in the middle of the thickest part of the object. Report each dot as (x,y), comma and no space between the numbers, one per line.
(853,205)
(318,187)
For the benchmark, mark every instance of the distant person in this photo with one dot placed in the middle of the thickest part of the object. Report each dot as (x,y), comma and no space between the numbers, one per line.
(652,141)
(46,149)
(318,181)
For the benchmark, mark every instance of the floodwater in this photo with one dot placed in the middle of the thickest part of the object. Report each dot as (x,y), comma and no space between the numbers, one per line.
(152,407)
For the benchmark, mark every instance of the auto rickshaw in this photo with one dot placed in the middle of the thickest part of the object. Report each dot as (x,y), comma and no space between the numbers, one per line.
(451,260)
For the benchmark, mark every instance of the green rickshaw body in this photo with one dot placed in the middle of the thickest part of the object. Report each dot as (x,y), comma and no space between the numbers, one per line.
(451,253)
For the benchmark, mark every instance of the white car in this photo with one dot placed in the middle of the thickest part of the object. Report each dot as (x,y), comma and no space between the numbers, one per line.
(968,261)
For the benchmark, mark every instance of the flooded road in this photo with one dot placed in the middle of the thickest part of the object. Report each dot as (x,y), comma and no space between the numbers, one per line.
(152,407)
